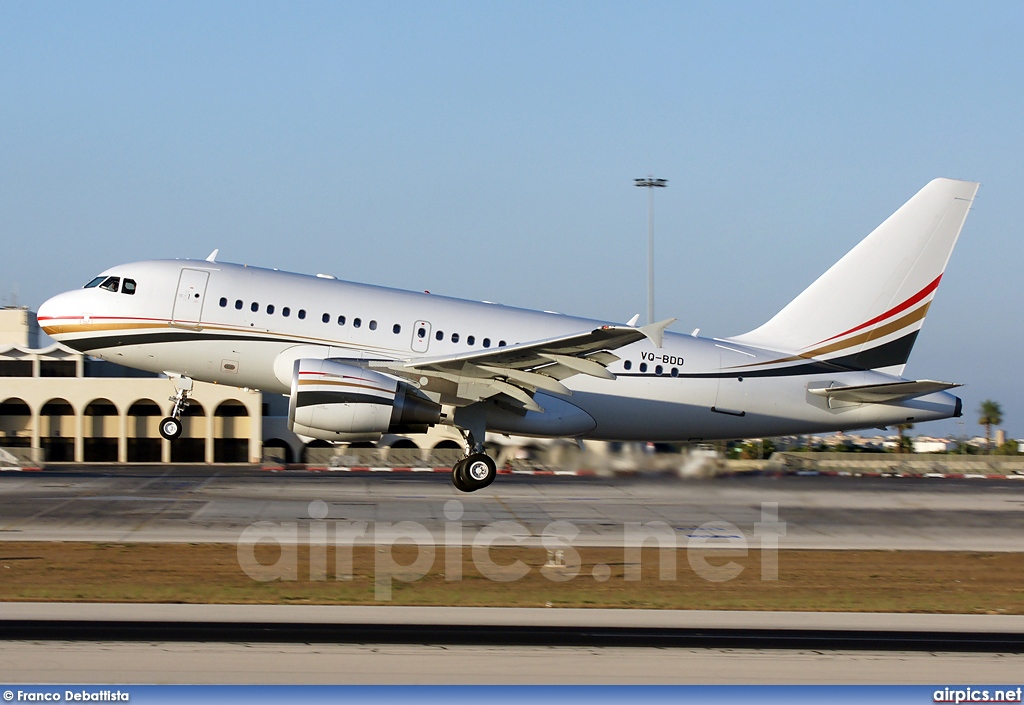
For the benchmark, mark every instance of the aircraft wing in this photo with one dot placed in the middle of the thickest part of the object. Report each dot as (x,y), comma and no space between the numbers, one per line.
(518,371)
(883,393)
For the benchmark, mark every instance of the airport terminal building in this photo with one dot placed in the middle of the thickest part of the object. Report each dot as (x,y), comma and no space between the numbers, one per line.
(63,406)
(58,405)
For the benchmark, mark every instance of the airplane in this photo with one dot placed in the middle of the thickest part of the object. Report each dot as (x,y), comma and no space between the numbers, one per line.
(358,361)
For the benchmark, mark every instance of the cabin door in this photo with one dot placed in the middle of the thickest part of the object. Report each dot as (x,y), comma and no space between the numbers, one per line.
(188,301)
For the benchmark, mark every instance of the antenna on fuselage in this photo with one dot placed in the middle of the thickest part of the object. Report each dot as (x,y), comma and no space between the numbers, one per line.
(213,255)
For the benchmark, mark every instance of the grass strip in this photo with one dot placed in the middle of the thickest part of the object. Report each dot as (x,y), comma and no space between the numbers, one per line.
(843,581)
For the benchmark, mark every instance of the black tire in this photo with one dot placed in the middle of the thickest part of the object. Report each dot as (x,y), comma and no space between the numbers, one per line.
(478,471)
(170,428)
(459,477)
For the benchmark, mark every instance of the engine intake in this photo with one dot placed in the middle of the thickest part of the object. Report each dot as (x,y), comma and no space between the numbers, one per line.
(335,401)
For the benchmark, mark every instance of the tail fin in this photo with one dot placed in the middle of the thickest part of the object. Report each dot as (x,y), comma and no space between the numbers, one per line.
(868,308)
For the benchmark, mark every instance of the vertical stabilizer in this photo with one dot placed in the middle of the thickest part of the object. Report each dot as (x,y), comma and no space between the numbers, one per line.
(868,308)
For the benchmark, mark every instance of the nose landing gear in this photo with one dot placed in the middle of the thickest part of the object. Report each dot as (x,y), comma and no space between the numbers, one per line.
(170,428)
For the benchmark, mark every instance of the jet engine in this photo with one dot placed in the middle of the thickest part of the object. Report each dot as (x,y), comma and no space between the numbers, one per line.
(335,401)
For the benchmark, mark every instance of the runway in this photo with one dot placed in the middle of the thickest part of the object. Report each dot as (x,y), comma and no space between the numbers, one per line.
(155,654)
(394,664)
(215,504)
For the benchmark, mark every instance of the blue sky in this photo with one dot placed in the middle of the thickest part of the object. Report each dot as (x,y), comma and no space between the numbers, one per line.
(487,150)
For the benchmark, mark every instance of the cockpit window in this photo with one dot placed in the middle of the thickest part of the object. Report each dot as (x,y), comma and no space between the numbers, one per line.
(128,287)
(111,284)
(94,283)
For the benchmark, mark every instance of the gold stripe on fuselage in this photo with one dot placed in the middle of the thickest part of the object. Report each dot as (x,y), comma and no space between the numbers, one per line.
(293,338)
(866,337)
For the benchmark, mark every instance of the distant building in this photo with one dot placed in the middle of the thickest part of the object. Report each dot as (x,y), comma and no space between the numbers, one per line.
(18,326)
(933,445)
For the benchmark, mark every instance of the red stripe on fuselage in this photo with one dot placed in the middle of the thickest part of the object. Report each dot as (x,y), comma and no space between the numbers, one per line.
(891,312)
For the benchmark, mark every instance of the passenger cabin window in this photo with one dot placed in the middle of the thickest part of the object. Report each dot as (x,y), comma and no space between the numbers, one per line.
(439,335)
(238,304)
(94,283)
(111,284)
(128,287)
(270,309)
(326,318)
(286,311)
(373,325)
(255,307)
(487,342)
(501,343)
(470,340)
(356,322)
(341,320)
(302,313)
(223,302)
(455,337)
(396,329)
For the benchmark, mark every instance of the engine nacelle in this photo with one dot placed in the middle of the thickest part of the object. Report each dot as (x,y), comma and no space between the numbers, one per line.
(333,401)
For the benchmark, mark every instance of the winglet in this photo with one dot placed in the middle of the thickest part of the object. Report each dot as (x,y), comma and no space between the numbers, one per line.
(213,255)
(655,331)
(633,320)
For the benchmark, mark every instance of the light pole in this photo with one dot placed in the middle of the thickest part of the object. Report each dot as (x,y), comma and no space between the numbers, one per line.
(650,183)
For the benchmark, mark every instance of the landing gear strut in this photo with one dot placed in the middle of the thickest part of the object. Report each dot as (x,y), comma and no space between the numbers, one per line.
(170,428)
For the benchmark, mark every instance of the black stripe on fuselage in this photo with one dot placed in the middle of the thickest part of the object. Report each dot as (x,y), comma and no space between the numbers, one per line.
(115,340)
(896,352)
(891,354)
(320,397)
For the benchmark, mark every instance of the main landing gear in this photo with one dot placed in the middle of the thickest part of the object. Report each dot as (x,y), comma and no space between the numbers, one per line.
(477,470)
(170,428)
(474,472)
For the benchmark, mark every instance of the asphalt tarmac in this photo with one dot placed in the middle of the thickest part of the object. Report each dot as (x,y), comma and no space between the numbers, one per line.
(210,662)
(217,504)
(161,658)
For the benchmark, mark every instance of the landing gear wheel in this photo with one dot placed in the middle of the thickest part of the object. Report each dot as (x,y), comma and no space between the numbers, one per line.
(170,428)
(479,471)
(459,477)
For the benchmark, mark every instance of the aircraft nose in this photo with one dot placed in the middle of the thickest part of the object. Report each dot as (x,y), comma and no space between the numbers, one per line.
(46,310)
(54,310)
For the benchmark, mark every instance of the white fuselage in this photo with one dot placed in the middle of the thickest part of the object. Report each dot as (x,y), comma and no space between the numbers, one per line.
(215,324)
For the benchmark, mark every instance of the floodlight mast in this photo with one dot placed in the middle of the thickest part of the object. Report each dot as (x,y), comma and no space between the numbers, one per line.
(650,183)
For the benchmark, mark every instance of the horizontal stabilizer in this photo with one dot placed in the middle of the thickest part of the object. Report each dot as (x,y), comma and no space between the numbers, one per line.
(883,393)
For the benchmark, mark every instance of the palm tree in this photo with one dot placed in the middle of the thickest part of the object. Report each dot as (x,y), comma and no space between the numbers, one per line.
(991,415)
(902,444)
